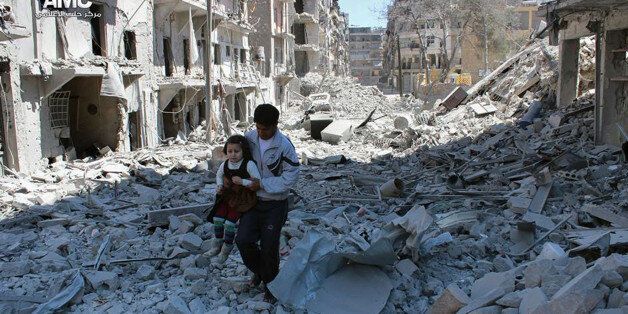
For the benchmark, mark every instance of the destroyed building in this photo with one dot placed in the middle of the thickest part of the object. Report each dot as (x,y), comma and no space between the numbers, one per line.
(76,85)
(366,54)
(273,44)
(571,20)
(319,29)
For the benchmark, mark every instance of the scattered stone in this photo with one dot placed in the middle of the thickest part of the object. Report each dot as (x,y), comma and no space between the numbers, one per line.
(194,273)
(612,279)
(98,279)
(490,281)
(519,204)
(14,269)
(190,242)
(145,272)
(176,305)
(531,300)
(512,299)
(406,267)
(450,301)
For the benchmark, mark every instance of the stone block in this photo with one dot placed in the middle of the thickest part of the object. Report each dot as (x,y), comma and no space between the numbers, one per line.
(512,299)
(552,283)
(190,242)
(197,306)
(406,267)
(579,301)
(14,269)
(536,271)
(145,272)
(176,305)
(551,251)
(490,281)
(318,122)
(455,98)
(450,301)
(575,266)
(193,218)
(531,300)
(194,273)
(98,279)
(519,204)
(337,131)
(585,281)
(612,279)
(615,299)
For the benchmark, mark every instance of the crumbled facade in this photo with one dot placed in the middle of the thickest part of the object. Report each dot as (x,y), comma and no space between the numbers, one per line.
(366,54)
(118,76)
(320,30)
(75,85)
(273,47)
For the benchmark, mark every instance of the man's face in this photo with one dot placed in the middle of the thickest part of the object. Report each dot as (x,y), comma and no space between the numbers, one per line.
(266,132)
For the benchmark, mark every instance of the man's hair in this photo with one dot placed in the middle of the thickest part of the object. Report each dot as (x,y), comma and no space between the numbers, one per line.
(266,114)
(244,145)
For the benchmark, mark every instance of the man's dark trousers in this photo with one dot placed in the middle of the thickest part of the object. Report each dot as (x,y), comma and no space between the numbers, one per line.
(263,223)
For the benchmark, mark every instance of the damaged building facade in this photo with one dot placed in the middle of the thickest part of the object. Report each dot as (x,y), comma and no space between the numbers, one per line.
(320,31)
(180,51)
(366,53)
(118,76)
(75,85)
(571,20)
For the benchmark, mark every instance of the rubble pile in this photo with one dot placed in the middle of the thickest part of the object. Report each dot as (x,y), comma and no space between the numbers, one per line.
(501,204)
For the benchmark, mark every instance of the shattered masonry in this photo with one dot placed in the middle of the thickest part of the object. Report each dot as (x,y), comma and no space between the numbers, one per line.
(58,72)
(509,196)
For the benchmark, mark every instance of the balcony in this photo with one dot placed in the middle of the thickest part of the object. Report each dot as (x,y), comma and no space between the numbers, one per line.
(307,47)
(306,18)
(284,74)
(183,5)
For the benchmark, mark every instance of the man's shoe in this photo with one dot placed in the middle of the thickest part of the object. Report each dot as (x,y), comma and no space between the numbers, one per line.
(268,296)
(224,253)
(215,247)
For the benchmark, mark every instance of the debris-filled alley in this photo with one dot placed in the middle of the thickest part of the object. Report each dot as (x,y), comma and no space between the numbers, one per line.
(501,197)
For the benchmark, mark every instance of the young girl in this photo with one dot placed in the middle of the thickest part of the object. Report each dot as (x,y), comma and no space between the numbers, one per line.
(233,197)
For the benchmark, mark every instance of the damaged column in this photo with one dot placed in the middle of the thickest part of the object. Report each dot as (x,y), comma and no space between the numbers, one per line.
(568,69)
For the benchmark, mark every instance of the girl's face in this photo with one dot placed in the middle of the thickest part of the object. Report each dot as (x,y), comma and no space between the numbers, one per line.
(234,152)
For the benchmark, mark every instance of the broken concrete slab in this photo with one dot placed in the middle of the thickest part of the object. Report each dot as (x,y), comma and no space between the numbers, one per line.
(505,281)
(551,251)
(318,122)
(450,301)
(585,281)
(488,298)
(176,305)
(98,279)
(406,267)
(15,269)
(161,217)
(190,241)
(365,289)
(455,98)
(519,204)
(337,131)
(580,301)
(531,300)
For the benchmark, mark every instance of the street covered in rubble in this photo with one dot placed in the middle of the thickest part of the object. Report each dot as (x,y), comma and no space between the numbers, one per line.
(493,199)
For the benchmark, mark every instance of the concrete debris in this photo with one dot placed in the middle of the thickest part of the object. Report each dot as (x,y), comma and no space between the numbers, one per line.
(457,210)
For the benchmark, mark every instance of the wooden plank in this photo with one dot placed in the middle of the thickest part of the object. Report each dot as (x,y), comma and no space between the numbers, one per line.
(616,220)
(160,217)
(538,202)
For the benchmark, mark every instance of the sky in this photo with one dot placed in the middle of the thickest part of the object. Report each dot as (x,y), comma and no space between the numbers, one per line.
(364,12)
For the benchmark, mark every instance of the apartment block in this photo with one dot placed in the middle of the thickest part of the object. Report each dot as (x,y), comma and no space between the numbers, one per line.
(74,85)
(366,54)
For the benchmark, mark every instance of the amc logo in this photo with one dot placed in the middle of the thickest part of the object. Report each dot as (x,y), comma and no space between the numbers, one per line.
(66,4)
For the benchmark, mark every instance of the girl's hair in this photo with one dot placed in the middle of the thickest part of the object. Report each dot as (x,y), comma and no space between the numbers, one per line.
(244,145)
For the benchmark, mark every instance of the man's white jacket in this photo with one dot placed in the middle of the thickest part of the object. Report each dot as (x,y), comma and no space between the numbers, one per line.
(279,166)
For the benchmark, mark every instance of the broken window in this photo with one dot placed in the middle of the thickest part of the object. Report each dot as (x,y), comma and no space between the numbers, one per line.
(243,55)
(59,103)
(298,30)
(228,52)
(99,47)
(430,40)
(186,56)
(130,49)
(299,7)
(168,64)
(217,54)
